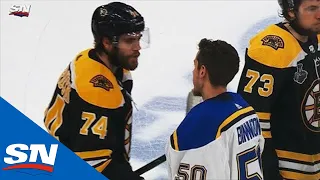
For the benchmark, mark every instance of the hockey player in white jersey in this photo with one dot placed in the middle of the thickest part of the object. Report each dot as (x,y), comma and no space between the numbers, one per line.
(220,138)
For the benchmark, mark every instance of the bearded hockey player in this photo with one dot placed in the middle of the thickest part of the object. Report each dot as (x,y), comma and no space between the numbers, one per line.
(280,80)
(91,110)
(220,138)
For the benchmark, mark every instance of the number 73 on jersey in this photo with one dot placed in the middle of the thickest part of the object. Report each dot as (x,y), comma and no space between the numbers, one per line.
(266,80)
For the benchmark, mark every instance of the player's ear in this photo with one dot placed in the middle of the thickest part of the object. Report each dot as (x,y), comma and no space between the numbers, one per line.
(106,43)
(291,14)
(203,71)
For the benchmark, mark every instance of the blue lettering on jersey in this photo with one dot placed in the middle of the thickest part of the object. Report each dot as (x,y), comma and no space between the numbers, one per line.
(248,130)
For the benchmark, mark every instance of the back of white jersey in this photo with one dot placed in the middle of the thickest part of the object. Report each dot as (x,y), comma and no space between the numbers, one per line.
(233,152)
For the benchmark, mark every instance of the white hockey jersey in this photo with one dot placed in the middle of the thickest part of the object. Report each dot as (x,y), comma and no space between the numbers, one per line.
(219,139)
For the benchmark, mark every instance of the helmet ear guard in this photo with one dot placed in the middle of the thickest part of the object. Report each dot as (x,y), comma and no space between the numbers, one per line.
(290,3)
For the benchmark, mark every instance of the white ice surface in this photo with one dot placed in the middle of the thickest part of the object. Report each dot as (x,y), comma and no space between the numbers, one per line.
(36,49)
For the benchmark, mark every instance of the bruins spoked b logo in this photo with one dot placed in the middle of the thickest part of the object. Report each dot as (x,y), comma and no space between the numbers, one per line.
(101,82)
(310,107)
(273,41)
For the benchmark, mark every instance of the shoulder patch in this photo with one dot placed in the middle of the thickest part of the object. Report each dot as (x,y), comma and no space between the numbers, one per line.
(273,41)
(102,82)
(274,47)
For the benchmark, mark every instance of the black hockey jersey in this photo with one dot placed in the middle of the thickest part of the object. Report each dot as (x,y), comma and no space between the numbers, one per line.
(91,110)
(281,81)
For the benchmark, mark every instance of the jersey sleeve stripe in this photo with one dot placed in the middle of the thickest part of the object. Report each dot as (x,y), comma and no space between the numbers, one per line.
(295,175)
(234,118)
(96,163)
(94,154)
(299,162)
(174,141)
(298,167)
(265,126)
(98,159)
(266,133)
(103,166)
(264,119)
(263,116)
(298,156)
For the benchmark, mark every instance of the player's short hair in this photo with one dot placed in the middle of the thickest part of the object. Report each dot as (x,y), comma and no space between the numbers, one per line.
(220,59)
(285,8)
(98,46)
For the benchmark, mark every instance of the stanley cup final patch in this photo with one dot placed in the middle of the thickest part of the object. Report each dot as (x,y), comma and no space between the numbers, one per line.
(102,82)
(273,41)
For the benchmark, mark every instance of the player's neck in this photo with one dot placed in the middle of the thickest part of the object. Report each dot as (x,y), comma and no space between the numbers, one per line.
(104,58)
(295,34)
(210,91)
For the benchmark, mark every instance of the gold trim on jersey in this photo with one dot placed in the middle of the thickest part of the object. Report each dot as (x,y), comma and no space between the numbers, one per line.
(264,119)
(264,115)
(298,156)
(94,154)
(103,166)
(231,118)
(95,158)
(175,140)
(266,134)
(296,175)
(95,83)
(294,165)
(287,51)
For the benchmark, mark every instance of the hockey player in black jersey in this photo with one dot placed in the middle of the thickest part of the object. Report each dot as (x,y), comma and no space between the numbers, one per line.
(281,81)
(91,111)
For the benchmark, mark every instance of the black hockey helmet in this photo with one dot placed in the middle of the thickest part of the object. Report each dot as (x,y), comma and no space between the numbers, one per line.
(114,19)
(288,4)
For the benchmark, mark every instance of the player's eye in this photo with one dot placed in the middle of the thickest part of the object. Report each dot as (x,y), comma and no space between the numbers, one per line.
(132,40)
(312,8)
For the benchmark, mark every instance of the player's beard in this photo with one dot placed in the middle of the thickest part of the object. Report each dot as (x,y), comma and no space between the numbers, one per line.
(197,86)
(120,60)
(311,31)
(316,30)
(196,89)
(196,92)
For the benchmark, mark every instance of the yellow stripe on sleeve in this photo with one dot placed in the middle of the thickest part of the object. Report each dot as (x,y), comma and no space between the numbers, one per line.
(264,115)
(94,154)
(298,156)
(231,118)
(175,140)
(296,175)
